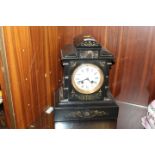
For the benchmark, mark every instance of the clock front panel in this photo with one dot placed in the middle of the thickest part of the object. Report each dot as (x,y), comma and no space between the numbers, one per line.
(87,78)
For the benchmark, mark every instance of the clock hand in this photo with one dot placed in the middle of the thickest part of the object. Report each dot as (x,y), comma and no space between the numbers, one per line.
(84,80)
(88,80)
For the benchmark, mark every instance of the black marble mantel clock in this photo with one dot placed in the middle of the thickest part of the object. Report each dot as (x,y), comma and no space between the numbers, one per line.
(85,93)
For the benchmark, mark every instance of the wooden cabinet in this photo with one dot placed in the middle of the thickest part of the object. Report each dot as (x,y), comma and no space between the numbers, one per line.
(32,61)
(31,66)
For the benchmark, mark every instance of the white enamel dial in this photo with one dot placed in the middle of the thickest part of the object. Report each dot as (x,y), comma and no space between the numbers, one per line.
(87,78)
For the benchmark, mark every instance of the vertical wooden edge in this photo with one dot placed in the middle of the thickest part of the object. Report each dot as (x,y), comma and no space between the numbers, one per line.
(117,65)
(8,106)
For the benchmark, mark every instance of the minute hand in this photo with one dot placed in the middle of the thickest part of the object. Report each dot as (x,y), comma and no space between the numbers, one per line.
(84,80)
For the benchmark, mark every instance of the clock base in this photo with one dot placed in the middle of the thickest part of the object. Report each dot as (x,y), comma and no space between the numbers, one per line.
(93,112)
(66,110)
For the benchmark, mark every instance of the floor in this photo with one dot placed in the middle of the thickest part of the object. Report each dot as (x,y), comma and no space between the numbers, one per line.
(129,117)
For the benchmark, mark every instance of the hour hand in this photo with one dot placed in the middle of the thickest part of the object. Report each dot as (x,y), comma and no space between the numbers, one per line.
(84,80)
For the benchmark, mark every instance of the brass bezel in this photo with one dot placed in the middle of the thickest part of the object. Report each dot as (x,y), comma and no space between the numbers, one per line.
(88,91)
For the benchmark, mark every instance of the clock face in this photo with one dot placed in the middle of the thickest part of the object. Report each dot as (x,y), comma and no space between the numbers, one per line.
(87,78)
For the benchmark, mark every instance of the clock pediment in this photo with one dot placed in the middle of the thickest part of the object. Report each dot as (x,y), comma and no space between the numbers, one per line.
(86,41)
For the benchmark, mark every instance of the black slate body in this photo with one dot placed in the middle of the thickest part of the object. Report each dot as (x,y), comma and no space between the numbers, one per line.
(72,105)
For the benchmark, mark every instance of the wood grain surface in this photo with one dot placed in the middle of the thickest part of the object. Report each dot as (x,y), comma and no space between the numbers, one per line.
(33,55)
